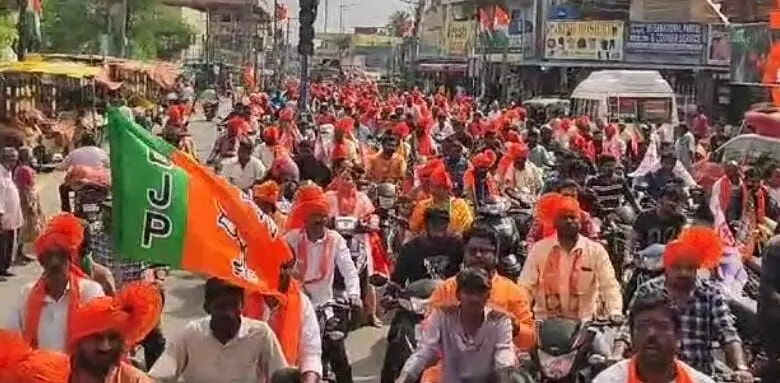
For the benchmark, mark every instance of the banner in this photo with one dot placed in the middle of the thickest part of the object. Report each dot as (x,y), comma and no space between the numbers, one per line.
(665,43)
(718,45)
(584,40)
(360,40)
(460,37)
(749,50)
(168,209)
(517,40)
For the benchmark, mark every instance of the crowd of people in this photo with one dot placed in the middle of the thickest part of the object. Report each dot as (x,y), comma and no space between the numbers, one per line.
(445,158)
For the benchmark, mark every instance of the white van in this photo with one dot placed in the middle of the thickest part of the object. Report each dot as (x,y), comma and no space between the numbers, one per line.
(627,95)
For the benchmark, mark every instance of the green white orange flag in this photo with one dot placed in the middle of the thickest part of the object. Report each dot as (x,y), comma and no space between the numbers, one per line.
(168,209)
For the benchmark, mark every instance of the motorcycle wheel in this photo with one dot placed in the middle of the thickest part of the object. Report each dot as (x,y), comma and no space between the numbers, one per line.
(400,337)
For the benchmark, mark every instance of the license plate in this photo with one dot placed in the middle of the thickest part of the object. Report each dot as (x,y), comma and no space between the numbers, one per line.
(90,208)
(386,202)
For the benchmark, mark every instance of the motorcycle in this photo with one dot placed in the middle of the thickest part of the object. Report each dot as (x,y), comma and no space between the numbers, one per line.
(333,317)
(391,226)
(411,305)
(349,227)
(569,350)
(648,264)
(615,232)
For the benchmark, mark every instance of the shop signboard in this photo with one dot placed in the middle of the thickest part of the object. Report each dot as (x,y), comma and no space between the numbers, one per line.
(718,45)
(584,40)
(665,43)
(460,37)
(749,50)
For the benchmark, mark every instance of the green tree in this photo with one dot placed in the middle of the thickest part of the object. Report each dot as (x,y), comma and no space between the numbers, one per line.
(398,22)
(7,31)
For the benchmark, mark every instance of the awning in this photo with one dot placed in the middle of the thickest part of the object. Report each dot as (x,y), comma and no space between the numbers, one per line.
(618,65)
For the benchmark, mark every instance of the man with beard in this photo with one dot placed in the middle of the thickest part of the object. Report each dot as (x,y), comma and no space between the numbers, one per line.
(387,165)
(482,244)
(222,347)
(655,327)
(105,328)
(704,313)
(44,309)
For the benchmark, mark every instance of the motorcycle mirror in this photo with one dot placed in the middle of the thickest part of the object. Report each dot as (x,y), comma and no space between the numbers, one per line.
(377,280)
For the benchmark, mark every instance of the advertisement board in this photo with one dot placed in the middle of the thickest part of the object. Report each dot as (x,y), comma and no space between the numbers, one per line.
(749,50)
(718,45)
(665,43)
(583,40)
(460,37)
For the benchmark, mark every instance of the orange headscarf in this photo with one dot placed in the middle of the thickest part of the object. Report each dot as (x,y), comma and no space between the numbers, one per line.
(237,126)
(513,152)
(133,312)
(285,320)
(268,192)
(286,115)
(309,199)
(441,178)
(20,363)
(484,160)
(271,135)
(63,233)
(698,244)
(345,125)
(550,206)
(425,141)
(401,130)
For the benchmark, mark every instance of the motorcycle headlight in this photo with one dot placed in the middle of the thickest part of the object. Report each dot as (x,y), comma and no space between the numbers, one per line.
(556,367)
(90,208)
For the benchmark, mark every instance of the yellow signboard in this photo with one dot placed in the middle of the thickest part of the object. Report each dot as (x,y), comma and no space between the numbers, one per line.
(460,37)
(584,40)
(361,40)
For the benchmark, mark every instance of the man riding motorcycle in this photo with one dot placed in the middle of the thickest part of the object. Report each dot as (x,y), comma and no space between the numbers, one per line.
(705,314)
(441,197)
(88,155)
(539,231)
(611,189)
(567,256)
(320,251)
(387,165)
(663,223)
(479,183)
(515,172)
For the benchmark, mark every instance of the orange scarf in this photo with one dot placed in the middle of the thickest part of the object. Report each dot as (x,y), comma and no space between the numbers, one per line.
(285,321)
(551,280)
(681,374)
(325,263)
(34,308)
(725,198)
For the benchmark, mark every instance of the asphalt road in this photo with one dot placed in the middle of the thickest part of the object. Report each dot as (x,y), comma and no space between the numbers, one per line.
(185,291)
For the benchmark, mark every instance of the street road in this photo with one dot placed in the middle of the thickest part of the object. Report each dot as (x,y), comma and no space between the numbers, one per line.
(185,291)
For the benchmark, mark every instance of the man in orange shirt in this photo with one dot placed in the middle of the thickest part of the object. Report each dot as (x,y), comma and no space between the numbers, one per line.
(387,165)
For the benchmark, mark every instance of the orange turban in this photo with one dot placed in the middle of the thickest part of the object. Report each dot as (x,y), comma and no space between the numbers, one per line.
(441,178)
(63,233)
(484,160)
(401,130)
(286,114)
(133,312)
(514,137)
(268,192)
(339,152)
(345,125)
(271,135)
(19,363)
(237,126)
(309,199)
(517,150)
(552,205)
(698,244)
(610,130)
(426,170)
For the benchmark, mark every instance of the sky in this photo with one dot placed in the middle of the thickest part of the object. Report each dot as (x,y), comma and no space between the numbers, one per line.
(362,13)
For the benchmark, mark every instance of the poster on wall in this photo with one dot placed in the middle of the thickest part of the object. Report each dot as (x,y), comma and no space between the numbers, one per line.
(673,43)
(521,31)
(749,50)
(718,45)
(584,40)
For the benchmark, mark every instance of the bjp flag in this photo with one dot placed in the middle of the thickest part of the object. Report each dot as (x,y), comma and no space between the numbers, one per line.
(168,209)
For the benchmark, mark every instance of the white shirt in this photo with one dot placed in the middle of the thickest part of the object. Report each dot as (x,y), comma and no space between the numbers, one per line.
(322,291)
(618,373)
(244,177)
(52,328)
(309,343)
(10,206)
(196,356)
(265,154)
(89,156)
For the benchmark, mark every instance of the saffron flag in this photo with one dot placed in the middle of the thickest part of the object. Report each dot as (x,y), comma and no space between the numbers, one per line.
(168,209)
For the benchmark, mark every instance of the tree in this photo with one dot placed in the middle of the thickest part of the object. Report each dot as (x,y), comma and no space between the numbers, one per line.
(7,31)
(398,23)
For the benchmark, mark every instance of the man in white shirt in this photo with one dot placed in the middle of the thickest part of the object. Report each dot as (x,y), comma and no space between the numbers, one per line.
(244,170)
(11,218)
(655,328)
(88,154)
(45,305)
(222,347)
(319,251)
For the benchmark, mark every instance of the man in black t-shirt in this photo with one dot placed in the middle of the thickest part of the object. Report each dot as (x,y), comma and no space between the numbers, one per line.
(435,254)
(663,223)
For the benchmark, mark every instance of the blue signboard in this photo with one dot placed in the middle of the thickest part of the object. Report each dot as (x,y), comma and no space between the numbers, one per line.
(665,43)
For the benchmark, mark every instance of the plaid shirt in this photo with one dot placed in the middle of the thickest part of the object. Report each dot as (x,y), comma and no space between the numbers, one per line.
(102,248)
(706,319)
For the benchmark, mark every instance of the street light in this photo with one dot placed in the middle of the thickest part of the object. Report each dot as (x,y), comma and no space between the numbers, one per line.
(342,8)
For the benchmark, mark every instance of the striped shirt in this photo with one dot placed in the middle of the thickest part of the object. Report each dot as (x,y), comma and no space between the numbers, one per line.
(610,192)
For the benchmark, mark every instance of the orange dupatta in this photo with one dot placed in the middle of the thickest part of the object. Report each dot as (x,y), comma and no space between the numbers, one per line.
(303,257)
(681,375)
(551,282)
(285,321)
(34,308)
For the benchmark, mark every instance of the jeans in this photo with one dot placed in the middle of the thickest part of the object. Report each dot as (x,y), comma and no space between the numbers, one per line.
(154,345)
(335,352)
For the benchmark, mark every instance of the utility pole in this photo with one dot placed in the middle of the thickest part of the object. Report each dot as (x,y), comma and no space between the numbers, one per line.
(325,28)
(123,32)
(342,8)
(307,14)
